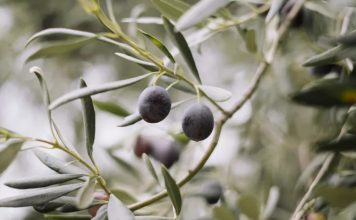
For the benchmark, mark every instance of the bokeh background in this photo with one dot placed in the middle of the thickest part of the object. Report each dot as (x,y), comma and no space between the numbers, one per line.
(264,148)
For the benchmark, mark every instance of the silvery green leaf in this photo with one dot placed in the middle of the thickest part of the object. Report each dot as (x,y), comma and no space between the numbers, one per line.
(111,107)
(179,41)
(102,213)
(172,190)
(134,59)
(85,195)
(275,6)
(130,120)
(38,196)
(198,12)
(124,195)
(215,93)
(330,56)
(150,167)
(79,93)
(117,209)
(41,181)
(59,47)
(89,121)
(171,9)
(143,20)
(56,164)
(8,154)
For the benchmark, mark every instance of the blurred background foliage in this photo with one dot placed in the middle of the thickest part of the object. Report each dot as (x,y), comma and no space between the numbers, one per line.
(265,153)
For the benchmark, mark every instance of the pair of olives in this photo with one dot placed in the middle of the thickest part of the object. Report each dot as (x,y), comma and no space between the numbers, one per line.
(155,105)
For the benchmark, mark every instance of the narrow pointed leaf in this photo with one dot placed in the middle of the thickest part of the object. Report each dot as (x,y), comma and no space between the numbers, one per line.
(158,44)
(36,182)
(56,164)
(347,39)
(250,38)
(125,196)
(182,86)
(111,107)
(59,48)
(117,209)
(216,93)
(150,167)
(180,42)
(8,154)
(38,196)
(102,213)
(330,56)
(346,143)
(173,190)
(89,121)
(198,12)
(336,196)
(85,195)
(249,206)
(76,94)
(135,60)
(171,9)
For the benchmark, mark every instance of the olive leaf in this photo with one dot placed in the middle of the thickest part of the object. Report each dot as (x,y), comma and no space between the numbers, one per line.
(249,205)
(89,121)
(150,167)
(102,213)
(180,42)
(134,59)
(158,44)
(79,93)
(125,196)
(222,213)
(36,182)
(38,196)
(85,195)
(336,196)
(182,86)
(56,164)
(112,108)
(198,12)
(59,47)
(215,93)
(8,154)
(275,6)
(347,39)
(342,144)
(171,9)
(172,190)
(117,209)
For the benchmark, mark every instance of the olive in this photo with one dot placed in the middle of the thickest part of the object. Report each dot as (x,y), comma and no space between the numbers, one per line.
(166,151)
(212,191)
(154,104)
(198,122)
(142,146)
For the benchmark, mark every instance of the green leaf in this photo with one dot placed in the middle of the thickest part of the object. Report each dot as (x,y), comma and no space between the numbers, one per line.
(89,121)
(215,93)
(79,93)
(102,213)
(59,47)
(158,44)
(130,120)
(117,209)
(249,206)
(135,60)
(250,38)
(182,86)
(38,196)
(275,6)
(56,164)
(346,143)
(347,39)
(336,196)
(35,182)
(112,108)
(85,195)
(172,189)
(8,154)
(327,93)
(171,9)
(150,167)
(125,196)
(180,42)
(332,55)
(223,213)
(198,12)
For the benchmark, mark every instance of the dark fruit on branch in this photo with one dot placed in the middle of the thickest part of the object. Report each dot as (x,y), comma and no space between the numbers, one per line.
(212,192)
(154,104)
(198,122)
(142,146)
